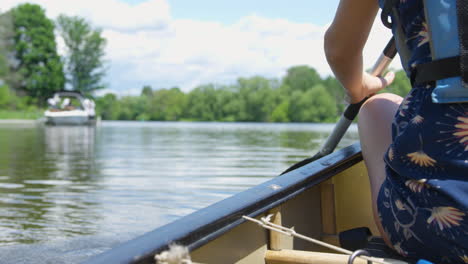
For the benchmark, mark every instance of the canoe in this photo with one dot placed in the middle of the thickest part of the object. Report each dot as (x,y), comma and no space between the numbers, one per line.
(319,200)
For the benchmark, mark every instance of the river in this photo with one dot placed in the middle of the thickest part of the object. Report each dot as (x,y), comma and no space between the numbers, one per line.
(68,193)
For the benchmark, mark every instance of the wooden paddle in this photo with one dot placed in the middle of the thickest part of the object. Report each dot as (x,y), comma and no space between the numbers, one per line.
(351,111)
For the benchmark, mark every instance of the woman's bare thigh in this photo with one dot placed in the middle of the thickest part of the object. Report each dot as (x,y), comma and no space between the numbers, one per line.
(375,126)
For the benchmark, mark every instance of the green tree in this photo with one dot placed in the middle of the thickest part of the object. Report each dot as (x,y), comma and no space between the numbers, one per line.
(314,105)
(258,98)
(8,73)
(145,101)
(84,58)
(107,107)
(167,105)
(130,108)
(335,89)
(201,103)
(227,104)
(147,91)
(301,78)
(6,35)
(322,104)
(10,101)
(7,98)
(400,86)
(280,113)
(36,53)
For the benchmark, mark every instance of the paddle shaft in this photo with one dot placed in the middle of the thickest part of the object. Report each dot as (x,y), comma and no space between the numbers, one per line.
(351,111)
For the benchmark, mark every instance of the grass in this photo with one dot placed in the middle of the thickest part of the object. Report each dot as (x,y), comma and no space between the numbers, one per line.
(28,115)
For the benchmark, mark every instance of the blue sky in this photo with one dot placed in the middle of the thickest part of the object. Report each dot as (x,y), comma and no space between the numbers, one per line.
(304,11)
(229,11)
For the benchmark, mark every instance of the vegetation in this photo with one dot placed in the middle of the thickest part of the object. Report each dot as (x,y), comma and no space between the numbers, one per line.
(301,96)
(8,63)
(36,52)
(6,33)
(84,54)
(31,71)
(24,114)
(17,107)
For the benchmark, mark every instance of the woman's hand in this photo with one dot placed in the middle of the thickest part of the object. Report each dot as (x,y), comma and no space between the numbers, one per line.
(370,85)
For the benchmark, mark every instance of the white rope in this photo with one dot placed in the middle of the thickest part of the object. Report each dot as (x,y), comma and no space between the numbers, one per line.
(176,254)
(265,223)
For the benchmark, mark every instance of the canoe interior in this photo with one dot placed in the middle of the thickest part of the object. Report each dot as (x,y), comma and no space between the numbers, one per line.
(248,243)
(319,200)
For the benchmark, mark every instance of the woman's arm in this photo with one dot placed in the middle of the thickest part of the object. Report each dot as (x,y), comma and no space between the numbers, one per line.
(344,42)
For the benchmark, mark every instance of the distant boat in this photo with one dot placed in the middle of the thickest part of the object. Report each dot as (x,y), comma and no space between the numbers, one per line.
(70,108)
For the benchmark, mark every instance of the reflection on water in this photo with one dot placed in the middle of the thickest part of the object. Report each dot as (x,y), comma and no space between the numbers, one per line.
(46,176)
(72,192)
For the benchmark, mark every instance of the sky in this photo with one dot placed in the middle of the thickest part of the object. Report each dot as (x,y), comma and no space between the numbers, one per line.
(187,43)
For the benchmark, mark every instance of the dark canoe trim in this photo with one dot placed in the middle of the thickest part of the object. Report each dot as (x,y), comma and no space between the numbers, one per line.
(202,226)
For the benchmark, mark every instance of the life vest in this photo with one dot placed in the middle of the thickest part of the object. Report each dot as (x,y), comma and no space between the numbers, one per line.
(447,22)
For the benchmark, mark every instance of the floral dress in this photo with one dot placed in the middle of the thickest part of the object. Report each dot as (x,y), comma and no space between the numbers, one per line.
(423,202)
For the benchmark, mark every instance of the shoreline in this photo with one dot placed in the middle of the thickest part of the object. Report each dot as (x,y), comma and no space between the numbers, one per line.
(18,121)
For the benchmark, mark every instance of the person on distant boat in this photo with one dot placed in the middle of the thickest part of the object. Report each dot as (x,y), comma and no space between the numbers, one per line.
(65,103)
(89,106)
(416,148)
(52,103)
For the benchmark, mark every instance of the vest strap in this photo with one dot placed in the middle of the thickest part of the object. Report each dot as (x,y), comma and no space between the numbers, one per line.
(436,70)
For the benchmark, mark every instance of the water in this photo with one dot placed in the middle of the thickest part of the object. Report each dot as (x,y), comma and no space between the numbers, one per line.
(67,193)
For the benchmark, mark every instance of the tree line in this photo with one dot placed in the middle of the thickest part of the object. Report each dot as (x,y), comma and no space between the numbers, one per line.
(31,70)
(300,96)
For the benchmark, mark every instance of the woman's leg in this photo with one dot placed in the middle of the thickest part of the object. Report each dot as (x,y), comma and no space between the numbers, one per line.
(375,133)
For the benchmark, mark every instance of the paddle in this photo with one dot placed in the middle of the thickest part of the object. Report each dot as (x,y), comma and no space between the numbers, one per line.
(351,111)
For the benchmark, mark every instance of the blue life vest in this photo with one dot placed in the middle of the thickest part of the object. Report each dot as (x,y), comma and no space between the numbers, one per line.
(447,22)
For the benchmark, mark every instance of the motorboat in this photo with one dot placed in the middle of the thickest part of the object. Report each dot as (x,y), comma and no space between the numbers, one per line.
(70,108)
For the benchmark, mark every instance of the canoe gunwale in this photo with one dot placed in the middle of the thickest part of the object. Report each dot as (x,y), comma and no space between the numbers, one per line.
(207,224)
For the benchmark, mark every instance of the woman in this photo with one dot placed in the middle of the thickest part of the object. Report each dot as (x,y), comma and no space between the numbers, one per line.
(416,151)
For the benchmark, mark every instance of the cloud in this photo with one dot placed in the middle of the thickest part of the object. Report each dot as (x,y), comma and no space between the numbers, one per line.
(147,46)
(113,14)
(189,53)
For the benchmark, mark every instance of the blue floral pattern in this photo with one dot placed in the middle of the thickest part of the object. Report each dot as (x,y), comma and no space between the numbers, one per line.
(423,203)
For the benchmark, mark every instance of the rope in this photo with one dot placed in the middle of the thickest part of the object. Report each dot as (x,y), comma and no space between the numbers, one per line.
(176,254)
(265,223)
